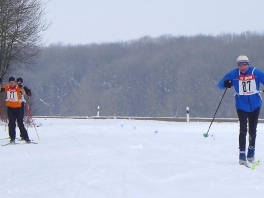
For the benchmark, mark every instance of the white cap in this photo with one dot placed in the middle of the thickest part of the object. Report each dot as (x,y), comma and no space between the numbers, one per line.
(242,58)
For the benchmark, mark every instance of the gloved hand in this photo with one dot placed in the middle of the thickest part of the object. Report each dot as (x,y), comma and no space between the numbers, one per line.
(228,83)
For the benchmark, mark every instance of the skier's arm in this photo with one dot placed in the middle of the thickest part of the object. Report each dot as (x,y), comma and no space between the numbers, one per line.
(28,91)
(222,82)
(260,75)
(22,90)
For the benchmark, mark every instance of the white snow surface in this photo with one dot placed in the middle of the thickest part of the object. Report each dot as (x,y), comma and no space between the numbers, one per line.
(80,158)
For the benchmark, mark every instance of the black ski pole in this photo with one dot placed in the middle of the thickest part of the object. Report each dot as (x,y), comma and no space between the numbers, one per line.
(206,134)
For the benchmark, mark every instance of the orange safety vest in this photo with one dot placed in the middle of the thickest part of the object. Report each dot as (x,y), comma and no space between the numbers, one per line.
(13,96)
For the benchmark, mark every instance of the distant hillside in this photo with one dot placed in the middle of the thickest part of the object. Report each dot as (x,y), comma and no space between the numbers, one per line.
(143,77)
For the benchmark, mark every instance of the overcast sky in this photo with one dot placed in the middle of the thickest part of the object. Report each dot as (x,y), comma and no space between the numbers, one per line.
(97,21)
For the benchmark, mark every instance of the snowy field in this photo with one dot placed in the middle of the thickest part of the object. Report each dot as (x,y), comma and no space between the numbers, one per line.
(129,159)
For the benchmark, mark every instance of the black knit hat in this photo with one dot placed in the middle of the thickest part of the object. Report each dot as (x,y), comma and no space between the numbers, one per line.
(19,79)
(12,78)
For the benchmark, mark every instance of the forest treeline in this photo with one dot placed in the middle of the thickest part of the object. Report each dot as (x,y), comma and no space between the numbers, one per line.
(143,77)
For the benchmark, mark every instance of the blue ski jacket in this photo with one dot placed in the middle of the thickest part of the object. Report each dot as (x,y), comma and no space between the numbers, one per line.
(247,103)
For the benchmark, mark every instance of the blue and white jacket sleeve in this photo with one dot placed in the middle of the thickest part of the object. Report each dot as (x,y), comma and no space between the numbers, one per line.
(260,75)
(228,76)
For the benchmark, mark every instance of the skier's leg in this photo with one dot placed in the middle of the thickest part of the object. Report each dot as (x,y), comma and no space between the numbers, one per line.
(242,116)
(252,130)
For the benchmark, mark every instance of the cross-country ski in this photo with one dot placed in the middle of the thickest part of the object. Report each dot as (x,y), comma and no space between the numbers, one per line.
(18,143)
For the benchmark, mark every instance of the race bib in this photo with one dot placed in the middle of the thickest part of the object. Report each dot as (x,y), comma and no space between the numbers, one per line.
(247,85)
(12,96)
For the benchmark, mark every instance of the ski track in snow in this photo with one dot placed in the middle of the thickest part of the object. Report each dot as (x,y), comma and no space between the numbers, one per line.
(129,159)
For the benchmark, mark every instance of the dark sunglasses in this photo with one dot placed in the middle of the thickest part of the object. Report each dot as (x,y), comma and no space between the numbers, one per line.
(243,63)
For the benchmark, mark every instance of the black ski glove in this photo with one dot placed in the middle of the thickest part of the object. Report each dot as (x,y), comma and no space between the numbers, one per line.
(228,83)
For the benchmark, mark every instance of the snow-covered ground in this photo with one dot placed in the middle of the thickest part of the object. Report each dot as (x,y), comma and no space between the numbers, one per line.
(129,159)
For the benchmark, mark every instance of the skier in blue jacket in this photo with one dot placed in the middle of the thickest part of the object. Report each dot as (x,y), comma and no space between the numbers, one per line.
(246,80)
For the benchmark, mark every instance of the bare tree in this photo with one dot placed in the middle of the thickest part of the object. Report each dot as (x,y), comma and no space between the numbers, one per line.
(21,25)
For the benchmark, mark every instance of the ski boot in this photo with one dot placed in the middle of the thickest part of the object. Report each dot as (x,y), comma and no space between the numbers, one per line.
(242,158)
(251,154)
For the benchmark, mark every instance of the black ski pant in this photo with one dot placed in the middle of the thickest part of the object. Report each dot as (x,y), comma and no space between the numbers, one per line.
(252,119)
(15,115)
(23,113)
(23,109)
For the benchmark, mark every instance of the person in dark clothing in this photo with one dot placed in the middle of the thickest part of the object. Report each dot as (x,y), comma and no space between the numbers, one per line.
(14,111)
(23,100)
